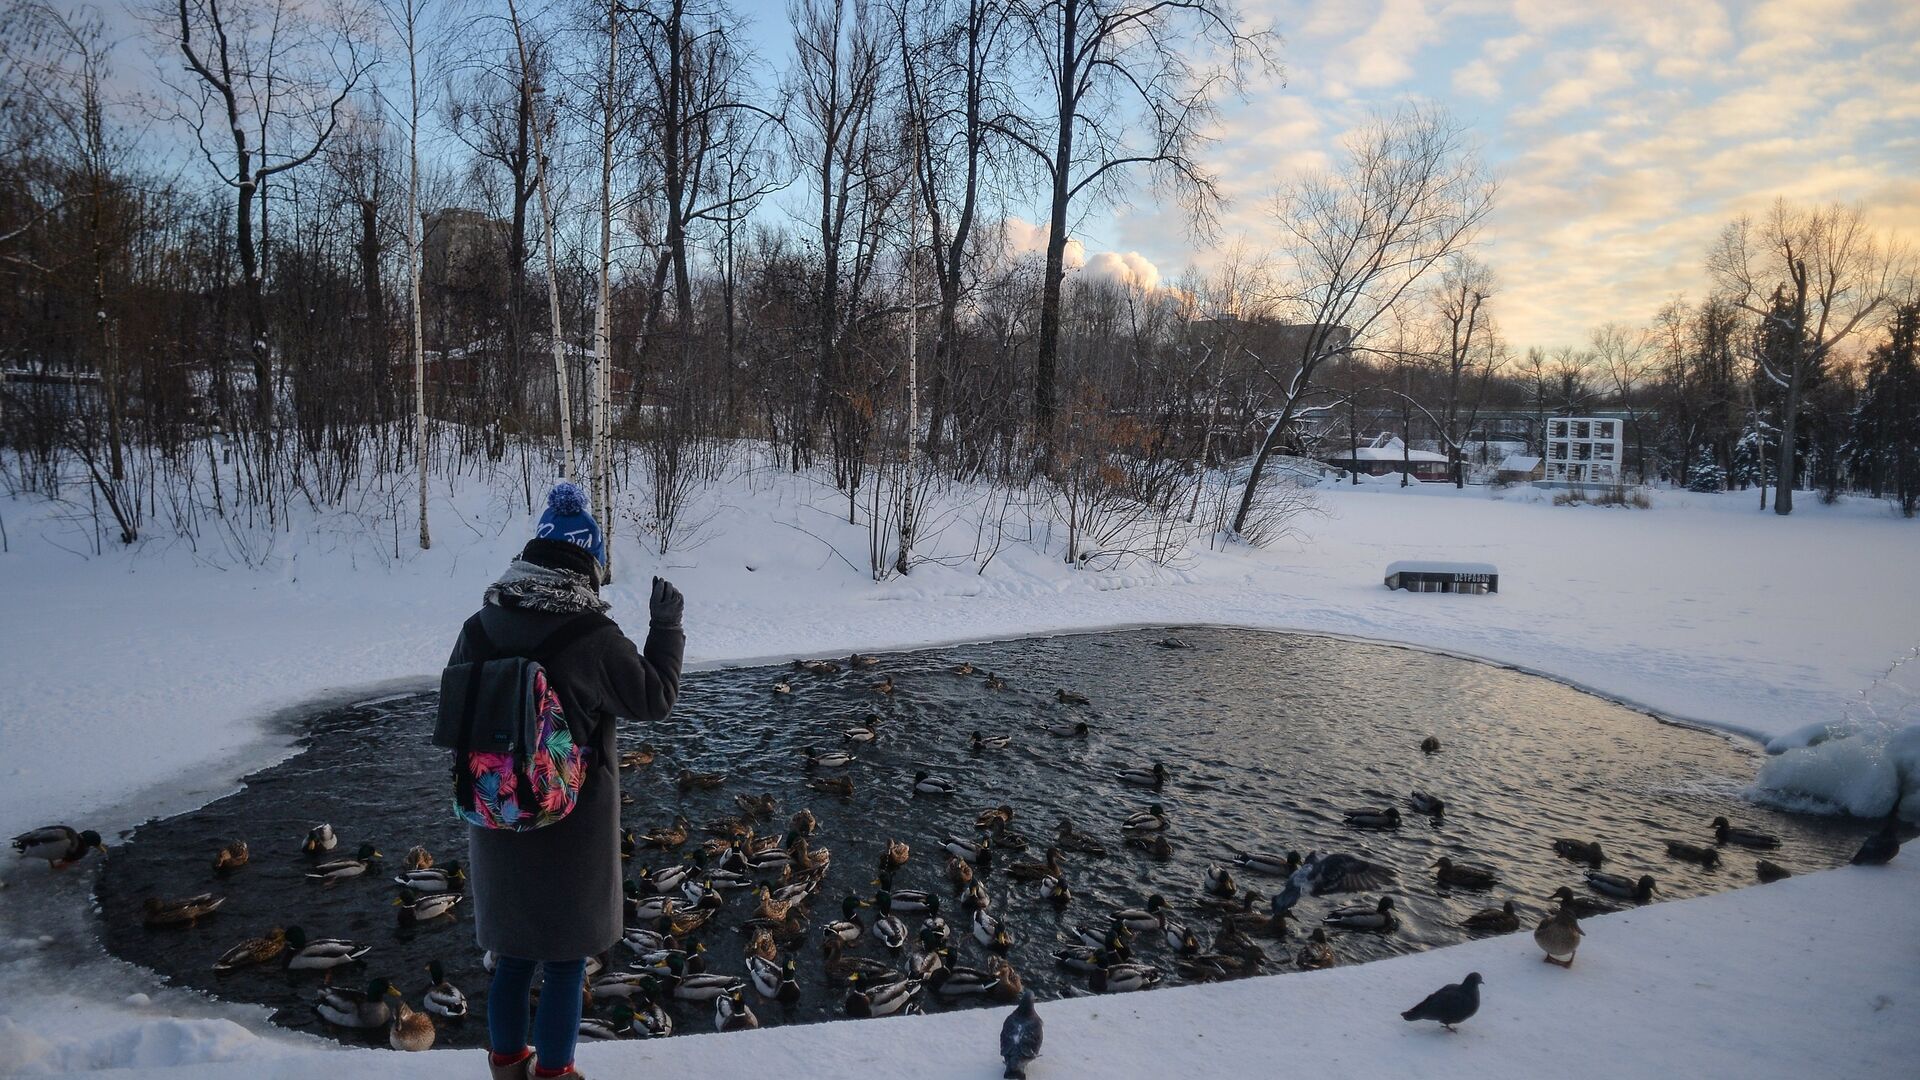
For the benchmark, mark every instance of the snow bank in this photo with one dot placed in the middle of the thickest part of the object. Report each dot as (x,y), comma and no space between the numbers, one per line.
(1866,763)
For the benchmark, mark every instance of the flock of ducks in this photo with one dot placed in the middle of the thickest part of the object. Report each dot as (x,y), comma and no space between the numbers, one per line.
(912,946)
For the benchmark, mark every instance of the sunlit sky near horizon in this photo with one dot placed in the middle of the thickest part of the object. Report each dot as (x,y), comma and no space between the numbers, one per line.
(1623,134)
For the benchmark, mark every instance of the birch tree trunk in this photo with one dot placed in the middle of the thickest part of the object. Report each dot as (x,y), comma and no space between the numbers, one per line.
(600,407)
(413,271)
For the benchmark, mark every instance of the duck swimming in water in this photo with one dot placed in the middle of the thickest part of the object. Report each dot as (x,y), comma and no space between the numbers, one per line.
(1152,819)
(1770,872)
(1035,871)
(1316,954)
(187,911)
(1155,845)
(1378,919)
(1620,885)
(1580,851)
(1504,919)
(1076,730)
(1070,838)
(1431,805)
(1263,862)
(1464,875)
(1702,856)
(1155,777)
(1430,744)
(1724,833)
(925,783)
(1374,818)
(371,1008)
(231,857)
(832,759)
(1340,872)
(1582,906)
(1068,697)
(320,840)
(338,870)
(982,743)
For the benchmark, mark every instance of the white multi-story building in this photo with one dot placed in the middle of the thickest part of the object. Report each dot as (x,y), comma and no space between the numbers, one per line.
(1583,450)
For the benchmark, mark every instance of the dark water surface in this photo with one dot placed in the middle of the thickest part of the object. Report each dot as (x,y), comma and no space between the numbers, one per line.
(1268,738)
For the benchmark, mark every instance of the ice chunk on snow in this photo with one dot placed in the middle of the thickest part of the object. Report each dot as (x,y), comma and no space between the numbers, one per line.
(1867,763)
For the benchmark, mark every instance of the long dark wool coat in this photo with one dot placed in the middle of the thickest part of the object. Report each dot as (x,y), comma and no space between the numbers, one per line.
(555,893)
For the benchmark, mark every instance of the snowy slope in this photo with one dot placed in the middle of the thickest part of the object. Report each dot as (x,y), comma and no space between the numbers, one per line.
(139,684)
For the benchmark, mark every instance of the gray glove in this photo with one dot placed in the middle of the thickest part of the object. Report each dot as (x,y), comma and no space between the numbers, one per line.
(666,605)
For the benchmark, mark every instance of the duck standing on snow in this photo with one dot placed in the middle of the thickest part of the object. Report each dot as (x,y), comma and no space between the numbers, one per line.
(60,845)
(1450,1005)
(1559,934)
(1020,1038)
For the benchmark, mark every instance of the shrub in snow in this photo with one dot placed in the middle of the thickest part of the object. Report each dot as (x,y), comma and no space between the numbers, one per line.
(1706,474)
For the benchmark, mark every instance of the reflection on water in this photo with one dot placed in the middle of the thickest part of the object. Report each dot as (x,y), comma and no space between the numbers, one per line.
(1269,739)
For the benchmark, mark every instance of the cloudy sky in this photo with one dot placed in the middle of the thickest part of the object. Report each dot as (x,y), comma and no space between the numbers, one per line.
(1624,133)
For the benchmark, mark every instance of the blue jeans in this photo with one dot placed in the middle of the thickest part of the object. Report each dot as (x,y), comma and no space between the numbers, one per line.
(556,1028)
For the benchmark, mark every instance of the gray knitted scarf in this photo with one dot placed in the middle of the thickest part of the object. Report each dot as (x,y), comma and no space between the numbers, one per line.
(542,588)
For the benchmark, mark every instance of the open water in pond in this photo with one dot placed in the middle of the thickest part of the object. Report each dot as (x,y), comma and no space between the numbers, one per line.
(1267,738)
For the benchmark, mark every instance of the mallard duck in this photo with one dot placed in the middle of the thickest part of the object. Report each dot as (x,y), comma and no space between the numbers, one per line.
(669,838)
(982,743)
(1693,853)
(865,999)
(649,1021)
(1058,893)
(769,860)
(817,667)
(1152,819)
(860,733)
(731,1013)
(1240,901)
(1877,849)
(1372,817)
(1173,643)
(1379,918)
(699,986)
(1068,697)
(1179,938)
(1580,851)
(962,668)
(1430,744)
(888,929)
(1219,881)
(699,895)
(624,985)
(231,857)
(1724,833)
(907,901)
(1431,805)
(994,682)
(934,929)
(832,785)
(1233,941)
(1266,862)
(1619,885)
(782,686)
(338,870)
(1208,967)
(788,993)
(925,783)
(1070,838)
(628,843)
(1036,871)
(60,845)
(1770,872)
(1155,777)
(1124,978)
(1464,875)
(412,1031)
(957,980)
(895,854)
(596,1029)
(839,968)
(1582,906)
(884,686)
(859,661)
(448,877)
(369,1008)
(1316,954)
(638,758)
(993,817)
(1139,920)
(1504,919)
(803,822)
(1011,985)
(1154,844)
(252,951)
(832,759)
(667,879)
(1340,872)
(1076,730)
(990,932)
(682,921)
(1559,934)
(442,997)
(848,928)
(417,858)
(321,954)
(688,780)
(320,840)
(186,911)
(764,974)
(1114,937)
(422,909)
(1085,959)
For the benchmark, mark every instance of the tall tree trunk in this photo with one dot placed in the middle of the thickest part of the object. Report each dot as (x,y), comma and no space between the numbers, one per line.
(603,311)
(562,392)
(413,274)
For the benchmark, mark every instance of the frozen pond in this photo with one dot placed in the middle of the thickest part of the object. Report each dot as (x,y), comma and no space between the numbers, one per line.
(1268,739)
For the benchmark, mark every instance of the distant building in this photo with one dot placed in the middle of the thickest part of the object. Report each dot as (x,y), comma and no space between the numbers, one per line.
(462,249)
(1583,450)
(1520,469)
(1387,454)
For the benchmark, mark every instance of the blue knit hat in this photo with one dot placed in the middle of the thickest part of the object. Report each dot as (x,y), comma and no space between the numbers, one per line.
(567,518)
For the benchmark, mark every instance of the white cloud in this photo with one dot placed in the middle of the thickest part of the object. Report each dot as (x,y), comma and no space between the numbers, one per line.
(1131,269)
(1382,55)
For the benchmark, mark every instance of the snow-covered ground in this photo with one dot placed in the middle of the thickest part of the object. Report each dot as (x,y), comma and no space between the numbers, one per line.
(144,683)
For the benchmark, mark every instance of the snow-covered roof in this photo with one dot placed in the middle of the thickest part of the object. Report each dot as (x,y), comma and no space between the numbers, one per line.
(1388,448)
(1428,566)
(1520,463)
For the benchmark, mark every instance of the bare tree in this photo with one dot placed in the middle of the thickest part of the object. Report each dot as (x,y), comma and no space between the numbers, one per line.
(1128,84)
(1627,356)
(1409,194)
(543,184)
(1467,355)
(1813,277)
(271,69)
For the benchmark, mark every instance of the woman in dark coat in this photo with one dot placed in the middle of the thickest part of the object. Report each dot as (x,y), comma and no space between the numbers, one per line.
(551,897)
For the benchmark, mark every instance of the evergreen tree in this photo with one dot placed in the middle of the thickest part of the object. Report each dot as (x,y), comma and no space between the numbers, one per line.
(1706,474)
(1883,443)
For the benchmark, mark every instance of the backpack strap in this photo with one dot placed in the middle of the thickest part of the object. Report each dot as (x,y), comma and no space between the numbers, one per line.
(480,648)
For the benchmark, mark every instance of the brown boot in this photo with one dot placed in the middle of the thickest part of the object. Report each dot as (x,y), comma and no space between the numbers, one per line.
(573,1073)
(519,1070)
